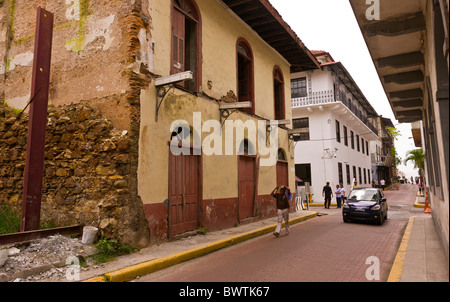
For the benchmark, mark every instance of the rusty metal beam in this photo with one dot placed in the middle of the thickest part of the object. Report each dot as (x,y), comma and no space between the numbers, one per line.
(34,167)
(33,235)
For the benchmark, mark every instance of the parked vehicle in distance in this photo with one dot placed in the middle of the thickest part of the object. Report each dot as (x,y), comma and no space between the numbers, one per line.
(365,204)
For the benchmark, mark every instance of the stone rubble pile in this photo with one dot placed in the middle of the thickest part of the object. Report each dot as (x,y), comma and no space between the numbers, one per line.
(43,259)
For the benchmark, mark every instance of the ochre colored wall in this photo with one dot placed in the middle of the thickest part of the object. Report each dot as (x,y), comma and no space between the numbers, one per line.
(220,173)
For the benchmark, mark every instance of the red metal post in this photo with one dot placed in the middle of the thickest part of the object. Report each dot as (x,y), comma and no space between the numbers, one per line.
(34,168)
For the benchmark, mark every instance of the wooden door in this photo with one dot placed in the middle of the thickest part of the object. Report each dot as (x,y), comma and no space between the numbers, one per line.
(282,174)
(184,193)
(247,186)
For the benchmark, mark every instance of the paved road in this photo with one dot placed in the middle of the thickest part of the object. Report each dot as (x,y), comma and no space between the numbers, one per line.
(319,250)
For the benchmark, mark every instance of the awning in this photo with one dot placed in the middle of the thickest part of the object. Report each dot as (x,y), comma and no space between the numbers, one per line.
(396,46)
(265,20)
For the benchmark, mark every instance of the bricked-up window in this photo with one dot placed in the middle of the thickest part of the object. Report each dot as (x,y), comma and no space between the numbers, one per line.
(278,84)
(299,88)
(186,41)
(245,74)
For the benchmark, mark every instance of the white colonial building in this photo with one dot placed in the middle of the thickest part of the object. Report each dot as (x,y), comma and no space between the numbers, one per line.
(334,128)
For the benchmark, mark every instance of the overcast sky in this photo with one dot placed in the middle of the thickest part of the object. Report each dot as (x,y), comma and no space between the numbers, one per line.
(330,25)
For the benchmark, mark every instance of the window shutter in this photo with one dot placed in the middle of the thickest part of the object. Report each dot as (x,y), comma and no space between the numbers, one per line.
(178,43)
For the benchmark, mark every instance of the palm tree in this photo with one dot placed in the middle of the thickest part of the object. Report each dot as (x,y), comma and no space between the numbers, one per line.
(417,157)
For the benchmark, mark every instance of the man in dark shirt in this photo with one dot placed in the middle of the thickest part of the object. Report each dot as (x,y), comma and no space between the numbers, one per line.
(282,195)
(327,192)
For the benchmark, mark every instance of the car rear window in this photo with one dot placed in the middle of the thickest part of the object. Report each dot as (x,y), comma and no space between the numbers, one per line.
(363,195)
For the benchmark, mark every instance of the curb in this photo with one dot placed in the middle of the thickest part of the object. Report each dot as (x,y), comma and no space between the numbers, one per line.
(130,273)
(417,204)
(399,262)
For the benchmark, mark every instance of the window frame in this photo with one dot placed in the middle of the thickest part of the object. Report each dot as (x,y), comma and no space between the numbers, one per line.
(300,88)
(345,136)
(305,135)
(278,80)
(338,131)
(251,77)
(193,16)
(352,135)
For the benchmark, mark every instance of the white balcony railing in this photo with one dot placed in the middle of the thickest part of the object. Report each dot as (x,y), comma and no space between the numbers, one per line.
(315,98)
(328,96)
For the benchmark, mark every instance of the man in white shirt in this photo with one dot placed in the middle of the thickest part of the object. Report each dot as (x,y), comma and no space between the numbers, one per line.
(383,184)
(343,197)
(338,196)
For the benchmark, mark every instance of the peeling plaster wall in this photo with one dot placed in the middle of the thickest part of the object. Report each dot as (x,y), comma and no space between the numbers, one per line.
(96,58)
(89,57)
(220,172)
(179,105)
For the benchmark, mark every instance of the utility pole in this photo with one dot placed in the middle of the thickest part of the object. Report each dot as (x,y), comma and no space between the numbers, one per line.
(34,167)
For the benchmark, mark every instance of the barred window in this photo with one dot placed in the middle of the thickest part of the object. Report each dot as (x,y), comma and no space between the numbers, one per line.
(301,124)
(299,88)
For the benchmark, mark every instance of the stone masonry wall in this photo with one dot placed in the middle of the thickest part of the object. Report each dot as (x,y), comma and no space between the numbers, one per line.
(101,61)
(87,168)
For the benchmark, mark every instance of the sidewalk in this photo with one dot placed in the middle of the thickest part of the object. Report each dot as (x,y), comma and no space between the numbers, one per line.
(158,257)
(420,257)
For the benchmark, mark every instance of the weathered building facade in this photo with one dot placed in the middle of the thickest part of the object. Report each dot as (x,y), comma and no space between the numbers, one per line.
(112,58)
(383,161)
(409,44)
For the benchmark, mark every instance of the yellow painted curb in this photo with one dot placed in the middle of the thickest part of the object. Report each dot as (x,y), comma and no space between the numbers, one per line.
(399,262)
(417,204)
(148,267)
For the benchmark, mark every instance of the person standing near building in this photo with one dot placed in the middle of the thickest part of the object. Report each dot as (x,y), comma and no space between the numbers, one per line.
(282,195)
(383,183)
(343,197)
(327,192)
(338,196)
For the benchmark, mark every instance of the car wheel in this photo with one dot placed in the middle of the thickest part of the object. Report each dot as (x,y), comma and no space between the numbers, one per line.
(381,219)
(345,219)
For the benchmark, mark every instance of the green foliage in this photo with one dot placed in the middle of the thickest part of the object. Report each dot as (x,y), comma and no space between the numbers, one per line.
(109,249)
(417,157)
(202,231)
(394,132)
(13,215)
(397,159)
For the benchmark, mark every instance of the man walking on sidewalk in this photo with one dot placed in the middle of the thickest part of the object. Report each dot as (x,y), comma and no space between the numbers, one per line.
(283,195)
(327,192)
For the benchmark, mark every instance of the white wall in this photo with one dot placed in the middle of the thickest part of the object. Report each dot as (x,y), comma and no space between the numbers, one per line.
(322,128)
